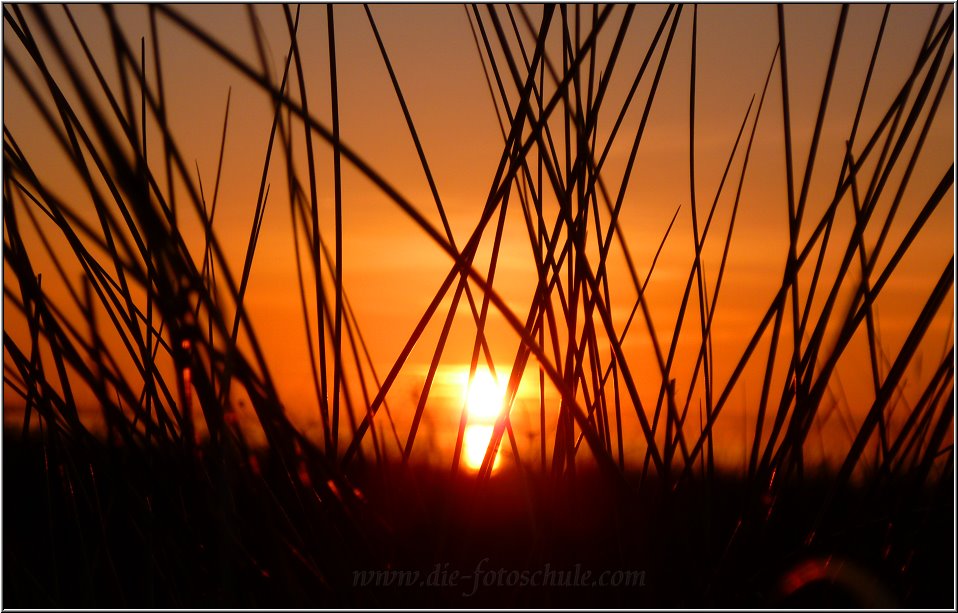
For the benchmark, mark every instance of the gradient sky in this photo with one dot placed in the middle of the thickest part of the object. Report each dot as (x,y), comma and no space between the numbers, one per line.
(392,269)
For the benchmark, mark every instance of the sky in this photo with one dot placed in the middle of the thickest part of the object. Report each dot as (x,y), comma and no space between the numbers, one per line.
(392,269)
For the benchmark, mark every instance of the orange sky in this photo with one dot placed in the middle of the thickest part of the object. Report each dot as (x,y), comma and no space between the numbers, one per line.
(391,268)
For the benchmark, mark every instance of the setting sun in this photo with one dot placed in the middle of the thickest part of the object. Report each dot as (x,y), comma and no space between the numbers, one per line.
(485,396)
(474,447)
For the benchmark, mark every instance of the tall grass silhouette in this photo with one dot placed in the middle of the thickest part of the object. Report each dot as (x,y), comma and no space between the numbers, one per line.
(155,461)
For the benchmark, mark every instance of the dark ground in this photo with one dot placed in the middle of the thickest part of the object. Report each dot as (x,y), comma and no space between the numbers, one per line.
(110,529)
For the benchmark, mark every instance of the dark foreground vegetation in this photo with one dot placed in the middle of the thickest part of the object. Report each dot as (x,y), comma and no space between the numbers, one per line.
(117,529)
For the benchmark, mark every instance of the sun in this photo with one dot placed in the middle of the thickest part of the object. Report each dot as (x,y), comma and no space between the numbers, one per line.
(475,443)
(485,397)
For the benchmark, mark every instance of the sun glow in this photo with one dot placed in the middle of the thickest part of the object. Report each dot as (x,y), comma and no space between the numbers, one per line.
(475,443)
(485,396)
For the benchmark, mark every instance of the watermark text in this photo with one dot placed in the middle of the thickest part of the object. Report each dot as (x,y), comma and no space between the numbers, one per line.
(486,576)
